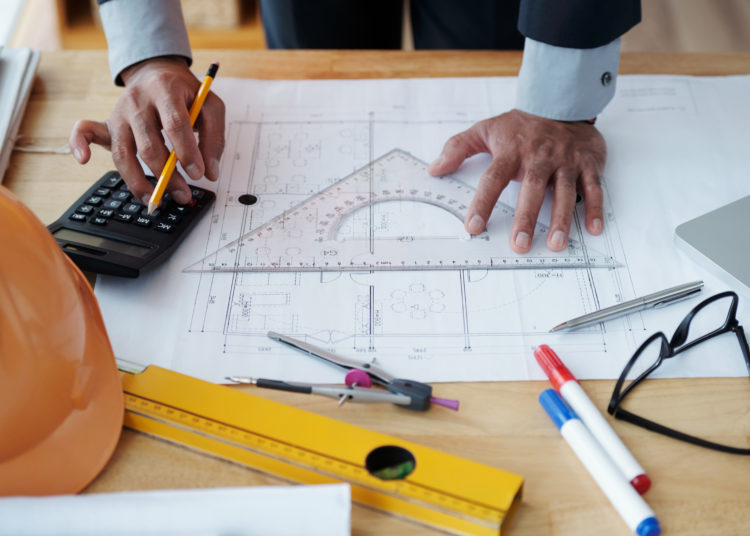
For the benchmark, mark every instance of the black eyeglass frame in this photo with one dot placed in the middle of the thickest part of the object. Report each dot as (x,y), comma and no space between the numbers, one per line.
(669,349)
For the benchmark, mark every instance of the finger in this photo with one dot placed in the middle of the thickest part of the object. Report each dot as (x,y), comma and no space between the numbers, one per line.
(563,205)
(492,183)
(148,140)
(530,198)
(154,153)
(85,133)
(594,201)
(457,149)
(211,129)
(126,162)
(176,123)
(179,189)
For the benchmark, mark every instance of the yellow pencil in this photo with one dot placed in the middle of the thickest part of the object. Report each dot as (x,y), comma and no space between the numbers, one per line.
(195,109)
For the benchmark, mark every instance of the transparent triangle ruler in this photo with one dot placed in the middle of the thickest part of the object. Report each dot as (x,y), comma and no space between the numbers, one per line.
(362,222)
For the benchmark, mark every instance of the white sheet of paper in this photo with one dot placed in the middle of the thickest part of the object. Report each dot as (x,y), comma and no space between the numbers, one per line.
(678,147)
(17,70)
(322,510)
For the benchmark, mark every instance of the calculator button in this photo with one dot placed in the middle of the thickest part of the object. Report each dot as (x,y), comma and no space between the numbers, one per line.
(180,209)
(103,192)
(197,194)
(132,208)
(154,214)
(121,196)
(164,227)
(172,218)
(142,221)
(113,204)
(96,220)
(112,181)
(105,213)
(77,217)
(85,209)
(124,217)
(124,188)
(94,200)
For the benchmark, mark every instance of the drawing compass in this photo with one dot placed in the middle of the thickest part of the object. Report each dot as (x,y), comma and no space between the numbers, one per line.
(359,378)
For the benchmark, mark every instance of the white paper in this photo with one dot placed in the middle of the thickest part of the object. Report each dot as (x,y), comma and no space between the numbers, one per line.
(677,148)
(17,70)
(321,510)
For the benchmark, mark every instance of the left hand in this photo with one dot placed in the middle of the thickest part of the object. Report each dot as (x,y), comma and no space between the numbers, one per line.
(539,152)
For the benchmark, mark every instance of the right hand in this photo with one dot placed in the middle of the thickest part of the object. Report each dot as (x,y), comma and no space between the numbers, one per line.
(158,95)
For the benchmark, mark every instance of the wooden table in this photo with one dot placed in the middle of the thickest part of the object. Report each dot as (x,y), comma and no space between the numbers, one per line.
(695,492)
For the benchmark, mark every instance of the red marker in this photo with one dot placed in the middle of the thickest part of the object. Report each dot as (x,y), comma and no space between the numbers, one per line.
(565,383)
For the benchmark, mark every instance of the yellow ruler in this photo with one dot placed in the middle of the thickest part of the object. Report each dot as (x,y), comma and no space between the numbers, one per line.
(416,482)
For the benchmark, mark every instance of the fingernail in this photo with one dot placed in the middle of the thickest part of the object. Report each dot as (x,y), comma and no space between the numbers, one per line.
(214,167)
(437,163)
(181,196)
(597,226)
(78,154)
(194,172)
(558,240)
(145,199)
(523,240)
(476,224)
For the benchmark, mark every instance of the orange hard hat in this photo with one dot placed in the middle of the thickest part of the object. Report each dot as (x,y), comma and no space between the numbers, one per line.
(61,401)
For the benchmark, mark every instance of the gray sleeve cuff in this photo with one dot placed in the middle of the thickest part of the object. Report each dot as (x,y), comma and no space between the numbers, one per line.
(137,30)
(567,84)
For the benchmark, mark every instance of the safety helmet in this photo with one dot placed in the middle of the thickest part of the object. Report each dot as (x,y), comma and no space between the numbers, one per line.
(61,400)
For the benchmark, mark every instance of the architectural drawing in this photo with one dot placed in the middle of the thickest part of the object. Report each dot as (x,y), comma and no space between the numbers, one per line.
(287,141)
(418,315)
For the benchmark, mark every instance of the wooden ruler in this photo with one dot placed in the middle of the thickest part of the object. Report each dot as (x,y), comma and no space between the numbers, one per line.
(415,482)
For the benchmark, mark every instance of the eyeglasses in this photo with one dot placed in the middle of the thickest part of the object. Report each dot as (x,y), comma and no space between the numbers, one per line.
(698,326)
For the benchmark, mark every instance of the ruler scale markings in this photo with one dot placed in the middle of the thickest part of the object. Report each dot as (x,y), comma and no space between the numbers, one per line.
(289,242)
(203,426)
(302,447)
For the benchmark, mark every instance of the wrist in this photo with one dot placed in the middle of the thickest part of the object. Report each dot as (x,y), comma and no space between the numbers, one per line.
(132,73)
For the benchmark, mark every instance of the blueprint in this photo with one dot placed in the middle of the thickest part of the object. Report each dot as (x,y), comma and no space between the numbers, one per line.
(670,143)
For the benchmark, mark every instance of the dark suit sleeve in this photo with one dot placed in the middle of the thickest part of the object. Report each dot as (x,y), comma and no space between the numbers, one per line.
(577,23)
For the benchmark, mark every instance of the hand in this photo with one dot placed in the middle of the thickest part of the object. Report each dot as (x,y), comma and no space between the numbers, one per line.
(158,94)
(539,152)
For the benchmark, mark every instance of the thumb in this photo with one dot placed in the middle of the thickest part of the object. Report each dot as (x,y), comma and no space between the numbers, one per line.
(85,133)
(457,149)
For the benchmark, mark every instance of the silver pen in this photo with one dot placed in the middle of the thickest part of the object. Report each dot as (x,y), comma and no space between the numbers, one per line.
(651,301)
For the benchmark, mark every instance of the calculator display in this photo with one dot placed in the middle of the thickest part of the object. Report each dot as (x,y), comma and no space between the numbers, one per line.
(100,242)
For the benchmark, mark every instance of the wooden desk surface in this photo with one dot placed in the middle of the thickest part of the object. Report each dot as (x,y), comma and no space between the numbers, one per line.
(695,491)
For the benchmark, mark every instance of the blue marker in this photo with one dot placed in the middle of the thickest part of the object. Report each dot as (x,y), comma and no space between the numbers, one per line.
(631,506)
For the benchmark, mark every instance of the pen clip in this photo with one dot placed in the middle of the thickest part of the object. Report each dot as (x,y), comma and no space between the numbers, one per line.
(669,300)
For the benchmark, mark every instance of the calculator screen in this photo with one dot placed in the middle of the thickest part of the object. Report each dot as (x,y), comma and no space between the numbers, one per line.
(100,242)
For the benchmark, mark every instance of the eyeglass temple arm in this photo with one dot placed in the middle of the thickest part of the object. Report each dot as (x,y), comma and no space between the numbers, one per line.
(632,418)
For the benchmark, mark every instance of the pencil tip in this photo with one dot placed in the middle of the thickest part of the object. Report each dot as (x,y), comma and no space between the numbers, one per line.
(557,328)
(151,207)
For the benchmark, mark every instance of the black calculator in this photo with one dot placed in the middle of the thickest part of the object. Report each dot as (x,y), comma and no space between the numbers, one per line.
(108,231)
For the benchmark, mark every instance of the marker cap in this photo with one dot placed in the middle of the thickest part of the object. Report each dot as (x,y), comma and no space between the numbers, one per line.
(556,407)
(648,527)
(557,373)
(641,483)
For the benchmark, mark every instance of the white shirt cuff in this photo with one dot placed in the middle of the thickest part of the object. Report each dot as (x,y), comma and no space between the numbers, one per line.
(567,84)
(138,30)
